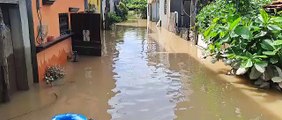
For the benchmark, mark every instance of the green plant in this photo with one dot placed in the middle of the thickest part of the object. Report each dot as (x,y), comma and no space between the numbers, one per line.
(122,11)
(249,42)
(112,18)
(138,5)
(53,73)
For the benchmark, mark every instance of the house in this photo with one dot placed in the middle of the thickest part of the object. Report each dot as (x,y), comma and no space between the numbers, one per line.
(97,4)
(173,15)
(51,31)
(153,10)
(40,35)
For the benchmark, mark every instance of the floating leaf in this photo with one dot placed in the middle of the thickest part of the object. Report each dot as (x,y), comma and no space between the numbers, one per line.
(241,71)
(254,74)
(277,79)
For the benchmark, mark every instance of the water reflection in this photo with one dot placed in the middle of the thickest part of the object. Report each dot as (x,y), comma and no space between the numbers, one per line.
(152,84)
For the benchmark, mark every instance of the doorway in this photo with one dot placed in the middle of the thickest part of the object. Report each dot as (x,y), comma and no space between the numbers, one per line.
(13,73)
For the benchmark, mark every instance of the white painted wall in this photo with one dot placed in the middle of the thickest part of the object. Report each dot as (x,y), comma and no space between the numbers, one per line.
(154,11)
(164,17)
(26,39)
(103,9)
(112,5)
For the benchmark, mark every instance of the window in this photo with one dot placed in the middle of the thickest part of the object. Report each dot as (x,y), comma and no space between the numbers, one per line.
(64,23)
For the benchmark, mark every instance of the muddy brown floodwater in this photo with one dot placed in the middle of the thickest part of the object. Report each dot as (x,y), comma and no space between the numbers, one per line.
(137,79)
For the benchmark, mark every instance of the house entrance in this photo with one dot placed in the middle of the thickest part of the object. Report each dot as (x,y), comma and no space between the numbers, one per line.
(12,58)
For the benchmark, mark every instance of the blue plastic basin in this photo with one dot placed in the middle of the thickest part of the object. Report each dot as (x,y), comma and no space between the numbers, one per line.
(69,116)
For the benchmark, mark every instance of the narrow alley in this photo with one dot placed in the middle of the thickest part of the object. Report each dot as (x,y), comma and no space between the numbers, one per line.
(138,77)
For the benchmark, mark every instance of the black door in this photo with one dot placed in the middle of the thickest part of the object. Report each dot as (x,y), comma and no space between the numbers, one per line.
(87,33)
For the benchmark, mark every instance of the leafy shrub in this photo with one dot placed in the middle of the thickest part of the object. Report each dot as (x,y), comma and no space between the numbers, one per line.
(112,18)
(247,39)
(122,11)
(138,5)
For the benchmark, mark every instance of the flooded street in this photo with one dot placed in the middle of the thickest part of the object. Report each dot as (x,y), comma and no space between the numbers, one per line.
(137,79)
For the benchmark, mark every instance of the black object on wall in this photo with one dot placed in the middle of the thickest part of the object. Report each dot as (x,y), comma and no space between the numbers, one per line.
(87,33)
(48,2)
(64,23)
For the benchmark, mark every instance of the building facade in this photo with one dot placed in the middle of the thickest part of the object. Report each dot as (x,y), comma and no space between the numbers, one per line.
(16,73)
(48,20)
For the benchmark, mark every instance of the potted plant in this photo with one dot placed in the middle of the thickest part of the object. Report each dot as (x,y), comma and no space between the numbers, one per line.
(53,73)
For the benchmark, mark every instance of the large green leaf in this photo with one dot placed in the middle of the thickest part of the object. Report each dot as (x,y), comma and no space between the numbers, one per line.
(254,74)
(260,34)
(264,17)
(241,71)
(274,27)
(260,56)
(260,66)
(276,19)
(225,39)
(267,44)
(207,31)
(273,60)
(279,71)
(270,53)
(268,74)
(243,31)
(277,79)
(247,63)
(235,23)
(277,42)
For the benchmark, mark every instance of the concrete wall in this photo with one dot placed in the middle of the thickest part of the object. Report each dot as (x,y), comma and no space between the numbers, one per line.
(155,14)
(21,39)
(176,5)
(164,17)
(26,39)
